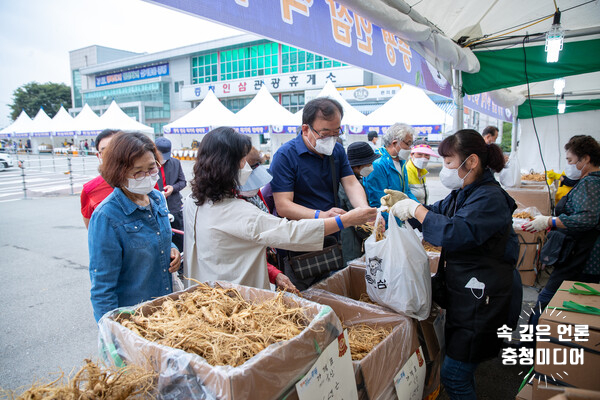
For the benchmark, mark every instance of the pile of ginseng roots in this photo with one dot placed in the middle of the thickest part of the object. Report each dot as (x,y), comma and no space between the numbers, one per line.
(218,324)
(93,382)
(363,338)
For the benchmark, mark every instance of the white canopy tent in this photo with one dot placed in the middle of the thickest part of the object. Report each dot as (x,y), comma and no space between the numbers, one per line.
(115,118)
(411,106)
(40,130)
(209,114)
(87,122)
(263,110)
(20,128)
(62,126)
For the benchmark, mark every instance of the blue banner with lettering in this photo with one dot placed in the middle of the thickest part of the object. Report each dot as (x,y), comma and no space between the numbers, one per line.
(483,103)
(188,131)
(133,75)
(421,131)
(326,28)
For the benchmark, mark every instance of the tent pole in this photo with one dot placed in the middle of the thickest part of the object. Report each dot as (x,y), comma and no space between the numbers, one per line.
(515,129)
(458,99)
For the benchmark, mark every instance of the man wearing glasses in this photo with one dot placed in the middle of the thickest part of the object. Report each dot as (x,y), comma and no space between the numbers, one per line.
(307,171)
(97,189)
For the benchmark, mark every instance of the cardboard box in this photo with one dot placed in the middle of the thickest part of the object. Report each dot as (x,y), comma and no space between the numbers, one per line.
(532,196)
(526,393)
(374,373)
(350,282)
(528,263)
(547,391)
(562,324)
(267,375)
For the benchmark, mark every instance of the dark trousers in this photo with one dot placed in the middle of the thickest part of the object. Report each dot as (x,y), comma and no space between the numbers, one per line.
(178,224)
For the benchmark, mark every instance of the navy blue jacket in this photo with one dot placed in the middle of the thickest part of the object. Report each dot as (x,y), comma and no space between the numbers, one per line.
(474,227)
(174,176)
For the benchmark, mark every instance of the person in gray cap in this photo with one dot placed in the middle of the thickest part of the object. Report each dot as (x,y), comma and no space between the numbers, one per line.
(360,157)
(171,181)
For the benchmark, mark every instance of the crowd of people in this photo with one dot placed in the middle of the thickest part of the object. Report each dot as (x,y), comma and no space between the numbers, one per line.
(255,226)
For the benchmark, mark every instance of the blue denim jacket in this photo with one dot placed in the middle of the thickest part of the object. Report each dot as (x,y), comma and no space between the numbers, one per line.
(130,251)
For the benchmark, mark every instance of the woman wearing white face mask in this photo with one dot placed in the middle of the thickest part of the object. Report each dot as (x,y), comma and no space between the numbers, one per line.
(416,169)
(361,157)
(577,216)
(389,171)
(131,252)
(479,250)
(226,237)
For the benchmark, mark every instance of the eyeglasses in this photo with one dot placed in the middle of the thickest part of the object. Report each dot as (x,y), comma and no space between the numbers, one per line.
(325,133)
(138,176)
(409,144)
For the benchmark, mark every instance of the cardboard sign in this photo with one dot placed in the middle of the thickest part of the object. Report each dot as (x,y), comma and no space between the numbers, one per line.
(332,376)
(410,381)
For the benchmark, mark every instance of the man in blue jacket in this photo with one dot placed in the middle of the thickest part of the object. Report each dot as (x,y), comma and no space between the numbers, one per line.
(389,171)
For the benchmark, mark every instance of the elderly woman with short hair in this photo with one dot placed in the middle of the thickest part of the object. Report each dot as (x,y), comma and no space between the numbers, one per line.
(129,239)
(389,171)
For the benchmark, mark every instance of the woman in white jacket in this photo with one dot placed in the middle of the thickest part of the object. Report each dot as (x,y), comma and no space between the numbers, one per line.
(226,237)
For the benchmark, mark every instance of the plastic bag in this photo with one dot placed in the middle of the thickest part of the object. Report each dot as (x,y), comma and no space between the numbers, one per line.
(398,273)
(510,176)
(520,216)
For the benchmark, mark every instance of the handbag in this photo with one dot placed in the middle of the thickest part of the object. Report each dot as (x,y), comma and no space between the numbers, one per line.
(317,263)
(557,248)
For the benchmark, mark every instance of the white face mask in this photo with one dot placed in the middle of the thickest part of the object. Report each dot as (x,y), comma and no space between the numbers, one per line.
(403,154)
(244,174)
(249,193)
(143,186)
(324,146)
(420,162)
(449,177)
(572,172)
(364,172)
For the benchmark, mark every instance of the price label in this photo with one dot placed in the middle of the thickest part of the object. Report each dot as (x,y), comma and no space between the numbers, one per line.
(410,381)
(332,376)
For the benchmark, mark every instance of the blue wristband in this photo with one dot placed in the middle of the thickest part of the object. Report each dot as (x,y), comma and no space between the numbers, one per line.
(317,212)
(338,219)
(554,222)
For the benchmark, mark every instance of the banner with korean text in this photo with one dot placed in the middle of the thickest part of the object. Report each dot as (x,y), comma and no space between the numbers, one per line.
(324,27)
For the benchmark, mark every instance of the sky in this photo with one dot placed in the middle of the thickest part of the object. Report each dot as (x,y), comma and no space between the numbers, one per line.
(37,35)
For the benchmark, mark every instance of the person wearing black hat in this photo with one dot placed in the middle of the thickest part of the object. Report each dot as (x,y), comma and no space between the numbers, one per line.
(171,181)
(360,157)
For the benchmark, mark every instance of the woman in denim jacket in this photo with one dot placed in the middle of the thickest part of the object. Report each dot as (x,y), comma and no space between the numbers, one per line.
(129,239)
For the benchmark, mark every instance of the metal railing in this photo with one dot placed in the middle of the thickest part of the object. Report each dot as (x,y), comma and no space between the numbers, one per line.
(71,166)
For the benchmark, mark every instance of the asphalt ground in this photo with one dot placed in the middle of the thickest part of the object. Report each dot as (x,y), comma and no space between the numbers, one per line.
(47,325)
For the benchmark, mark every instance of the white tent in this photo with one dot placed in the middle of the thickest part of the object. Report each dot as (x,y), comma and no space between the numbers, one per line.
(264,111)
(62,123)
(87,122)
(209,114)
(352,117)
(412,106)
(41,124)
(115,118)
(19,128)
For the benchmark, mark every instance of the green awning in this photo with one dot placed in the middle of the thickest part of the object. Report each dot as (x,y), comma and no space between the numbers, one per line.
(505,68)
(543,108)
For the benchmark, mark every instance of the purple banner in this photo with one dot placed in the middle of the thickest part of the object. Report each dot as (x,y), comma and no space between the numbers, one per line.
(187,131)
(483,103)
(422,131)
(326,28)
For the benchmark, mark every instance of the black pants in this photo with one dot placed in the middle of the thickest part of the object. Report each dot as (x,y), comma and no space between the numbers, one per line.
(178,224)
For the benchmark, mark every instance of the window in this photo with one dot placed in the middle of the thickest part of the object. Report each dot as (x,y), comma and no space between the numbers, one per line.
(293,101)
(77,97)
(177,86)
(256,60)
(237,103)
(204,68)
(294,60)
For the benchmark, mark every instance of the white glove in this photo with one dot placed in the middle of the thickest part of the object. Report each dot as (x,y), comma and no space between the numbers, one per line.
(405,209)
(540,223)
(392,197)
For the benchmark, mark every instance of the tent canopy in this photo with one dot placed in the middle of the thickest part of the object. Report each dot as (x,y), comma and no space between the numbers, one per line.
(21,124)
(352,116)
(62,122)
(411,106)
(115,118)
(263,110)
(209,113)
(88,122)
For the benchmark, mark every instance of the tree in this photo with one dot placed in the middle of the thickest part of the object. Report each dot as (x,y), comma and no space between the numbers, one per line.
(506,137)
(31,96)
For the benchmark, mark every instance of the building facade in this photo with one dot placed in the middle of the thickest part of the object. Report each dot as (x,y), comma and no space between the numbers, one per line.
(160,87)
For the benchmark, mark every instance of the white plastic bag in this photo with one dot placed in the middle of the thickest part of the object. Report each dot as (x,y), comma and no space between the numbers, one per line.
(510,176)
(398,273)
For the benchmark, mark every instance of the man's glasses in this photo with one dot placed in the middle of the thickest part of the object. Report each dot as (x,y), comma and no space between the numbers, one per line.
(325,133)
